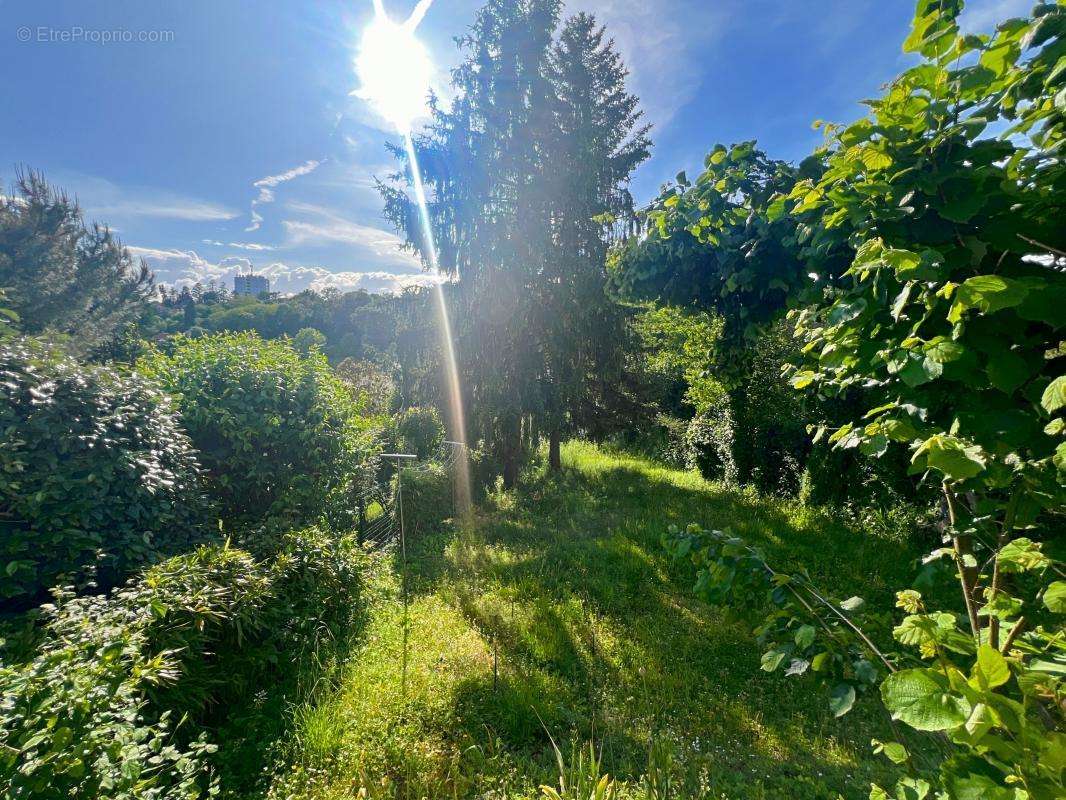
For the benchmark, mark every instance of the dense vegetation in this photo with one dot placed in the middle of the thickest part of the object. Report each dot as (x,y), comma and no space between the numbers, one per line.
(919,260)
(844,363)
(167,506)
(276,431)
(97,475)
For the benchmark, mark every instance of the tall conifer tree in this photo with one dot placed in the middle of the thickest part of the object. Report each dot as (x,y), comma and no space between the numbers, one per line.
(599,140)
(537,147)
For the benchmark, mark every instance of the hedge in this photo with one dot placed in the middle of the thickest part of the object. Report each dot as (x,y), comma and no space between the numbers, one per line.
(428,498)
(96,474)
(277,431)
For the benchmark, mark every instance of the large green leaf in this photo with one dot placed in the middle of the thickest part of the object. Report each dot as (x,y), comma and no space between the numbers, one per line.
(951,456)
(962,208)
(1055,597)
(944,351)
(974,786)
(1054,396)
(917,369)
(990,670)
(988,294)
(1022,555)
(772,659)
(1007,371)
(924,629)
(921,699)
(805,636)
(841,699)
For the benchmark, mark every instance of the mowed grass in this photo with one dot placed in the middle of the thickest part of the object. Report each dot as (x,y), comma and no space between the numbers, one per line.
(557,611)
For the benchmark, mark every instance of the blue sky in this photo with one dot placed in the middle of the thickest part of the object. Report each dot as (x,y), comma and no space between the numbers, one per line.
(230,136)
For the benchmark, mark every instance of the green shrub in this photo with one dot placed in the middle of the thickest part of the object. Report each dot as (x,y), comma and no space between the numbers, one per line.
(662,439)
(944,328)
(754,430)
(371,386)
(95,712)
(749,423)
(708,444)
(419,431)
(96,473)
(877,495)
(428,498)
(74,721)
(770,439)
(277,432)
(308,341)
(236,618)
(484,473)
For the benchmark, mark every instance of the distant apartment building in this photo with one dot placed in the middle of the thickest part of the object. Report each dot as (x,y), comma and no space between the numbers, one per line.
(250,284)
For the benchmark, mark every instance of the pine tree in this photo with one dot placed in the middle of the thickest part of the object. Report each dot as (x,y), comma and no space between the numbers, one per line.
(599,141)
(62,275)
(484,162)
(537,147)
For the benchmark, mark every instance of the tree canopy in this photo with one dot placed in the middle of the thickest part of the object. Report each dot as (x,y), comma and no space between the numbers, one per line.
(62,275)
(534,154)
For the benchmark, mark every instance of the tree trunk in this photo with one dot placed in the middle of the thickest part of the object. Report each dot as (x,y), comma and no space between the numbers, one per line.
(555,457)
(510,470)
(512,448)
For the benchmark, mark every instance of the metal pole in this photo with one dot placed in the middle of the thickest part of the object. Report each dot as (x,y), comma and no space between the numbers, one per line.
(403,555)
(361,537)
(403,582)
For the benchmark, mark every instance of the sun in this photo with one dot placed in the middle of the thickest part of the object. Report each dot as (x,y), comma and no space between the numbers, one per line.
(394,68)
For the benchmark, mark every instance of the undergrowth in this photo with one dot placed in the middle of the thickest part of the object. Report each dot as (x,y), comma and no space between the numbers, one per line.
(556,615)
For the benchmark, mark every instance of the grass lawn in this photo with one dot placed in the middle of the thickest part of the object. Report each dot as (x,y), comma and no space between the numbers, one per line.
(557,610)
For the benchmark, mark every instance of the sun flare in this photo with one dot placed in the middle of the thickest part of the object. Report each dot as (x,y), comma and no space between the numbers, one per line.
(394,68)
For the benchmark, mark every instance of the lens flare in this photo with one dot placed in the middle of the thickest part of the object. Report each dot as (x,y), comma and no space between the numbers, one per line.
(396,73)
(455,394)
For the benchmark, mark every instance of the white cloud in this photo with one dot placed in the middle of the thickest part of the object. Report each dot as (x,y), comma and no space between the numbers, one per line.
(240,245)
(267,185)
(982,16)
(177,267)
(319,224)
(176,208)
(661,43)
(110,203)
(186,267)
(288,279)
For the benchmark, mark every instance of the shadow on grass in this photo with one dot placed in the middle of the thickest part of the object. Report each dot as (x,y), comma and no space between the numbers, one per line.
(597,635)
(251,728)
